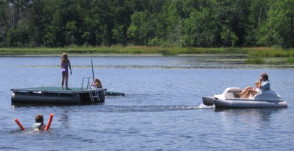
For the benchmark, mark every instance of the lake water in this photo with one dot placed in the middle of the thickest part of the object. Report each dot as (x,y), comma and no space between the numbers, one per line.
(162,109)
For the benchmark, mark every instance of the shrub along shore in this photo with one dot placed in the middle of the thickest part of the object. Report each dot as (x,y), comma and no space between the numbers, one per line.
(252,55)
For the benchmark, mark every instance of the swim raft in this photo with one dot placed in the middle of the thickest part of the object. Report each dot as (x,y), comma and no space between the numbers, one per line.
(55,95)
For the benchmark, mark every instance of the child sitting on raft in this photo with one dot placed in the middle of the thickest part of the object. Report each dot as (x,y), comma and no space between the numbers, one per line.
(39,123)
(97,83)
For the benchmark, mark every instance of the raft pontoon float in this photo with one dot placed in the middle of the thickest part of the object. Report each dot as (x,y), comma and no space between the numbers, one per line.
(57,96)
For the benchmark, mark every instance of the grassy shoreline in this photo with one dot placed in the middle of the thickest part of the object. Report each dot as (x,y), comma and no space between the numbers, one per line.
(115,50)
(251,55)
(261,51)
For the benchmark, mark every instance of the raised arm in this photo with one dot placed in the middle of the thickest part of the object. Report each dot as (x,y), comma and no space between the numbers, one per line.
(69,67)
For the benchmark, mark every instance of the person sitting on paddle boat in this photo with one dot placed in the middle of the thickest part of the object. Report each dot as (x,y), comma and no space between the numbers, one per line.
(97,83)
(39,123)
(65,64)
(261,86)
(246,90)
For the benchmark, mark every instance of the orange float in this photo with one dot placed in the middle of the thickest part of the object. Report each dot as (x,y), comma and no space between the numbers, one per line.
(19,124)
(49,122)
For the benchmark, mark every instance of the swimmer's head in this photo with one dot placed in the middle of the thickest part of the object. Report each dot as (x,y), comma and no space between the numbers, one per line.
(39,118)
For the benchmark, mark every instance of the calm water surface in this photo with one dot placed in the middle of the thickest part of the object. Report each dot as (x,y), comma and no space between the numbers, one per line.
(162,109)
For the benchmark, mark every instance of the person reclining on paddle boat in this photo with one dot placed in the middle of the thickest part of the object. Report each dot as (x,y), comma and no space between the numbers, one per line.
(261,86)
(39,123)
(246,90)
(97,83)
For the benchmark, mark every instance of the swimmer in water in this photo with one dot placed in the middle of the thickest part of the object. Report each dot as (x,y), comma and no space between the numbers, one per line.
(39,123)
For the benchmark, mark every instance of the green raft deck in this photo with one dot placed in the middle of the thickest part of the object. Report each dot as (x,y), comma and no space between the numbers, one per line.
(55,95)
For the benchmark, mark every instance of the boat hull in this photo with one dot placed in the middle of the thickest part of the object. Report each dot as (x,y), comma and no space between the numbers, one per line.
(247,103)
(208,100)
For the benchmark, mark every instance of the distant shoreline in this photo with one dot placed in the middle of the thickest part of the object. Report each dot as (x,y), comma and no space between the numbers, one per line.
(142,50)
(117,55)
(254,55)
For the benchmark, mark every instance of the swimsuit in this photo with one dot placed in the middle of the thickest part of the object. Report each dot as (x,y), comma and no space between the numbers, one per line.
(64,67)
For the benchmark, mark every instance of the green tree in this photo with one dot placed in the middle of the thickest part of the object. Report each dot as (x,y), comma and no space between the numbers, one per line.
(279,28)
(200,29)
(140,28)
(91,28)
(258,15)
(71,30)
(188,23)
(232,17)
(3,21)
(54,31)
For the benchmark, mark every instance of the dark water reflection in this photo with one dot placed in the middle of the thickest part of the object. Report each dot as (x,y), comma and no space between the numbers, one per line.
(259,114)
(162,109)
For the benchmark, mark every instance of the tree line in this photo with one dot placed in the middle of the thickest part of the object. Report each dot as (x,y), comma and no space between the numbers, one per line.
(176,23)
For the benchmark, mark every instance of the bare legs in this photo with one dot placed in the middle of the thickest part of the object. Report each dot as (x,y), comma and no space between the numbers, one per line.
(64,79)
(247,91)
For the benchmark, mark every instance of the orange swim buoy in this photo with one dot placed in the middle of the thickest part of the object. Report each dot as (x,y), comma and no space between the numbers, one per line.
(19,124)
(49,122)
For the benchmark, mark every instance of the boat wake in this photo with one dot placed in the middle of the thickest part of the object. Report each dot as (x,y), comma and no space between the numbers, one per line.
(152,108)
(202,106)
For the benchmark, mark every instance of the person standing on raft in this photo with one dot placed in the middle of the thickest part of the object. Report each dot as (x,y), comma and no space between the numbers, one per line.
(65,64)
(39,123)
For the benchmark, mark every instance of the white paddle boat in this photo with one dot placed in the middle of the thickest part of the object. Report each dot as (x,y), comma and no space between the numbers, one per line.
(267,99)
